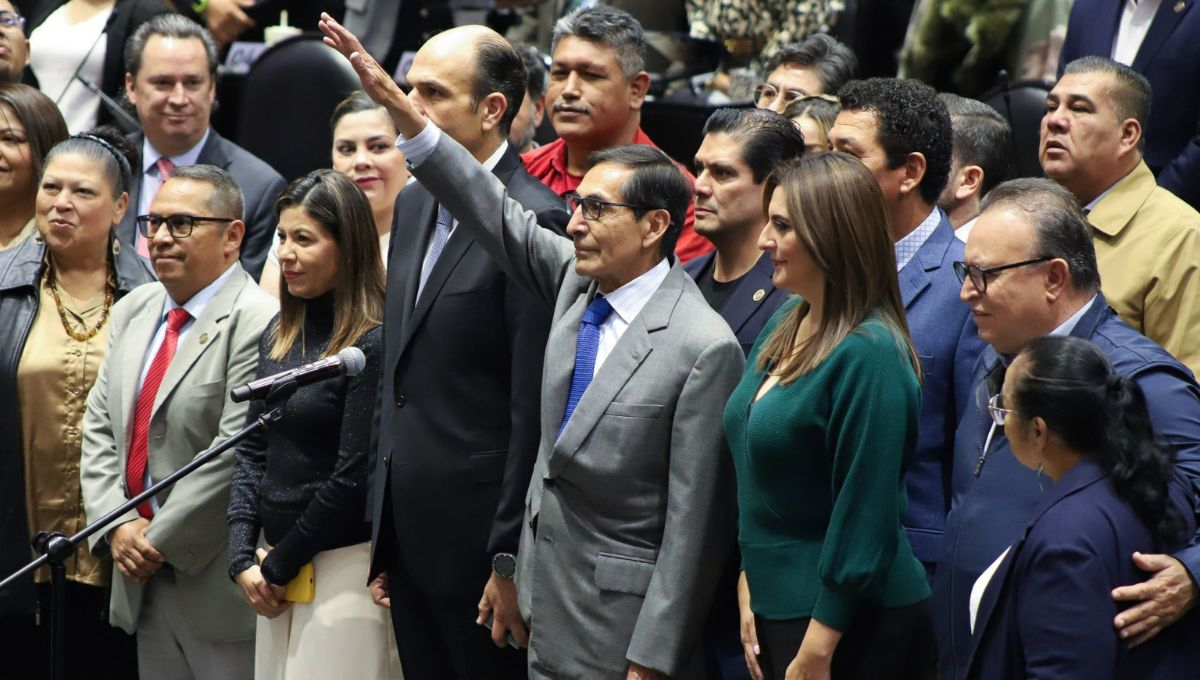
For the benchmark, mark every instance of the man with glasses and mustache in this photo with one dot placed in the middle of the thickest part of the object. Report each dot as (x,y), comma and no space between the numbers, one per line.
(818,65)
(176,349)
(1030,270)
(14,46)
(594,95)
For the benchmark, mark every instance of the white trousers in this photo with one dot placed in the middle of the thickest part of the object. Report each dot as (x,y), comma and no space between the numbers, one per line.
(340,634)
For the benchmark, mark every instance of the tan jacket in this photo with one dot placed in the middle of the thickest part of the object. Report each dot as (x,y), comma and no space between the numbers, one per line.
(1148,248)
(192,411)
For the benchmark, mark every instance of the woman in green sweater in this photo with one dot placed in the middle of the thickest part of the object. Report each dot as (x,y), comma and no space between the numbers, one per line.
(819,428)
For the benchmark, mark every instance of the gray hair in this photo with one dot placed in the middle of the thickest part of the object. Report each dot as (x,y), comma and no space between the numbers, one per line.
(226,199)
(611,27)
(168,26)
(1062,230)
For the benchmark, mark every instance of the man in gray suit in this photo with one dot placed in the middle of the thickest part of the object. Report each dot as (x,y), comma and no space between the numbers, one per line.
(171,78)
(631,495)
(176,349)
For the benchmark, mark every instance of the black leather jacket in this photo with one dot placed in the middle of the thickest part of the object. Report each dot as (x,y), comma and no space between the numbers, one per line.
(20,273)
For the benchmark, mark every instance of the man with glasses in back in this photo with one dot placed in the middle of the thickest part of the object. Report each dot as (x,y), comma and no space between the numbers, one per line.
(818,65)
(14,46)
(176,349)
(1030,270)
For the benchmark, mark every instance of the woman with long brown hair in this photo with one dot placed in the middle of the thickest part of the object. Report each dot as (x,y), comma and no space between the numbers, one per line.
(819,428)
(300,488)
(30,125)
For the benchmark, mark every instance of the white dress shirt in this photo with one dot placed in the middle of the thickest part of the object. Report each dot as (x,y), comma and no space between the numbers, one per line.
(627,302)
(1135,23)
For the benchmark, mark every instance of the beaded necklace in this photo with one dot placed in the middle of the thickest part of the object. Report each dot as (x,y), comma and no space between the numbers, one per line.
(87,333)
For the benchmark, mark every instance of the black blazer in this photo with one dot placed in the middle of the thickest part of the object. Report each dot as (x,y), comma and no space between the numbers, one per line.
(457,418)
(127,15)
(752,304)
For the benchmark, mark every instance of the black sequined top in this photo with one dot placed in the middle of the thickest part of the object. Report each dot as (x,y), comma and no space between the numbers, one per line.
(303,482)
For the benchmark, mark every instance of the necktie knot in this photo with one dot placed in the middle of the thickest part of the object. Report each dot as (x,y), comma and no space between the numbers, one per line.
(598,311)
(165,166)
(176,318)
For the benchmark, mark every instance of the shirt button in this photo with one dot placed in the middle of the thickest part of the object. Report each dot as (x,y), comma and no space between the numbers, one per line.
(401,400)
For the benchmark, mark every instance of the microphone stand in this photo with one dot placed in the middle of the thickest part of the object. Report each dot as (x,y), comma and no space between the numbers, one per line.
(56,548)
(126,122)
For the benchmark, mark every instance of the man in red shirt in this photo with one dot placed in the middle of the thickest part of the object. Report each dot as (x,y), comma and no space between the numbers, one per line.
(594,96)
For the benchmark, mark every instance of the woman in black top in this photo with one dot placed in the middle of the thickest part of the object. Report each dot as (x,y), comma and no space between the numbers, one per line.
(302,483)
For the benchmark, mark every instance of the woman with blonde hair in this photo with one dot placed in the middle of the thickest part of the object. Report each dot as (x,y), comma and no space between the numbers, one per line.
(814,115)
(819,427)
(297,507)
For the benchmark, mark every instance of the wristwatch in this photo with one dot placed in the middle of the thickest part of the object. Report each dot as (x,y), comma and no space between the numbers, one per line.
(505,565)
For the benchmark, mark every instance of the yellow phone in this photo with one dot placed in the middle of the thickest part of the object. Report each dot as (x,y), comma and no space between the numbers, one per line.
(303,587)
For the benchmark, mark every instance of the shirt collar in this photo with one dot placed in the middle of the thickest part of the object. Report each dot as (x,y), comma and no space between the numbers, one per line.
(196,304)
(150,155)
(1069,325)
(628,300)
(908,246)
(494,160)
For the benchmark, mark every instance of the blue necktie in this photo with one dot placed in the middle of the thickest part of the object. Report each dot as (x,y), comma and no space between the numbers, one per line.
(585,353)
(441,234)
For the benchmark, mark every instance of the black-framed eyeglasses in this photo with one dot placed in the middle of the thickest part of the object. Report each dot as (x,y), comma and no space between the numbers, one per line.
(179,225)
(998,412)
(764,94)
(593,208)
(11,19)
(979,274)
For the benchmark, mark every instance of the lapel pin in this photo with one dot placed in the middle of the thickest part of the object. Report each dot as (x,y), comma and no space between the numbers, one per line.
(759,295)
(1179,6)
(203,338)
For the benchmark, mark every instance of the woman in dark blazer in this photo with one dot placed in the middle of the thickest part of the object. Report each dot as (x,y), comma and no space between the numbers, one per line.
(126,16)
(1045,609)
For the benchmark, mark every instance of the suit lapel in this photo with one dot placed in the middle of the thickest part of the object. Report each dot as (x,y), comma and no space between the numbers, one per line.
(200,337)
(456,246)
(750,293)
(414,222)
(996,587)
(1165,21)
(136,341)
(559,364)
(628,354)
(915,277)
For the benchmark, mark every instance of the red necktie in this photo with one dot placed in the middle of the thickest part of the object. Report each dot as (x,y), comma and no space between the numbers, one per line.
(135,463)
(165,166)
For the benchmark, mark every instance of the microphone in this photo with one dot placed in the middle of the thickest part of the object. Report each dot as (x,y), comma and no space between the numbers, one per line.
(349,362)
(126,122)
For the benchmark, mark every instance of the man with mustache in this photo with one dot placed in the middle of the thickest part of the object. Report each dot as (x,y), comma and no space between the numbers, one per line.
(595,96)
(14,46)
(176,349)
(1147,240)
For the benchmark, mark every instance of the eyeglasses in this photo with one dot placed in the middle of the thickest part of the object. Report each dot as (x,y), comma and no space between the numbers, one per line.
(593,208)
(11,20)
(979,274)
(998,412)
(179,225)
(764,94)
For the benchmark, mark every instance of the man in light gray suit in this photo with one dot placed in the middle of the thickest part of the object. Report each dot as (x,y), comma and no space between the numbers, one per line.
(631,498)
(176,349)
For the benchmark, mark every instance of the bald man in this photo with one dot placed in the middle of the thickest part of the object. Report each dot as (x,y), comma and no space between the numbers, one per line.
(458,412)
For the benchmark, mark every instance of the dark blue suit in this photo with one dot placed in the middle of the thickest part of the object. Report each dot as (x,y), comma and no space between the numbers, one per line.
(994,495)
(1170,59)
(752,304)
(945,338)
(1048,610)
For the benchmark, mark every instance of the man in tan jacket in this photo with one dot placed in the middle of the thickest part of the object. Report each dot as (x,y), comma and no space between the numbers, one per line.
(1147,240)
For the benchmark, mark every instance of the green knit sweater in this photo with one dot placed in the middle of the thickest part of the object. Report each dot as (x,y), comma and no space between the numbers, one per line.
(820,488)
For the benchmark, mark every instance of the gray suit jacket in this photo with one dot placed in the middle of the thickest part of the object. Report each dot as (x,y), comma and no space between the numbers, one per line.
(629,510)
(260,185)
(192,411)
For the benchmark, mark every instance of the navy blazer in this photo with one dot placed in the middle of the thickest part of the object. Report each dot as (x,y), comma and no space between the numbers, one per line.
(944,335)
(994,495)
(752,304)
(1048,610)
(1170,59)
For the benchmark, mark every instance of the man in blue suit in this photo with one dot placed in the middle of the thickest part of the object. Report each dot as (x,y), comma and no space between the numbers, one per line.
(740,150)
(1030,270)
(1168,54)
(900,129)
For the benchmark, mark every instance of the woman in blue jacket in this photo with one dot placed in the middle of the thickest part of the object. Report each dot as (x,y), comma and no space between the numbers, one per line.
(1044,609)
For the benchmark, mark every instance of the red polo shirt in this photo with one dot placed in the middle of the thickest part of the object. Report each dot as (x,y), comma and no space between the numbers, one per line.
(549,164)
